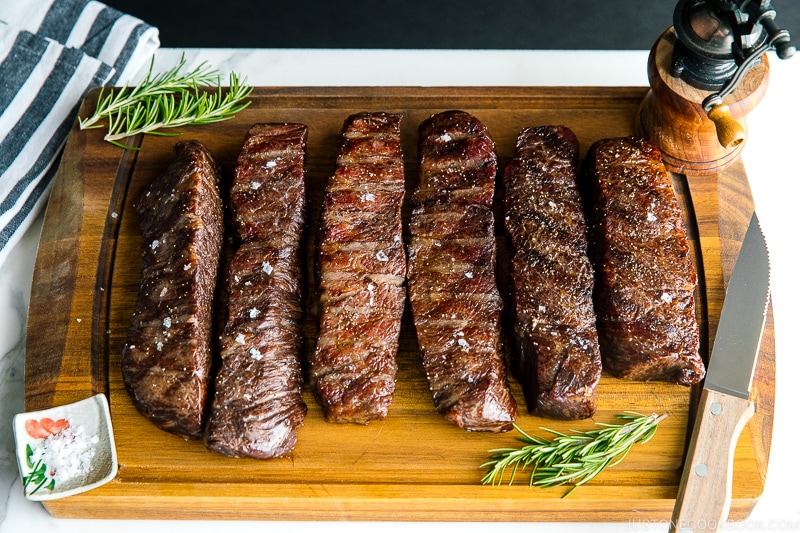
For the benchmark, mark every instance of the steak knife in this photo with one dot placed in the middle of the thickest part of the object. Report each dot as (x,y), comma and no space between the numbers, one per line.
(704,493)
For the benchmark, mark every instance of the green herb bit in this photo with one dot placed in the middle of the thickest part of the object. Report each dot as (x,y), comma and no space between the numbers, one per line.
(165,83)
(573,458)
(167,100)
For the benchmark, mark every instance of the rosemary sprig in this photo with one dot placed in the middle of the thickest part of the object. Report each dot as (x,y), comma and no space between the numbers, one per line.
(574,458)
(167,100)
(174,110)
(164,83)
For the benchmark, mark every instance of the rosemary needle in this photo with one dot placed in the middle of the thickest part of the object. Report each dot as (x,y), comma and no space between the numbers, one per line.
(576,457)
(171,99)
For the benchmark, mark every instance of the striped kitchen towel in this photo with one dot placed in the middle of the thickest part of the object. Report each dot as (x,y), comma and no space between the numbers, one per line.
(51,53)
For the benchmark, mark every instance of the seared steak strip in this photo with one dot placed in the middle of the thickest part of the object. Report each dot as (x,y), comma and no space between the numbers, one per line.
(166,360)
(362,267)
(645,279)
(557,358)
(258,408)
(451,274)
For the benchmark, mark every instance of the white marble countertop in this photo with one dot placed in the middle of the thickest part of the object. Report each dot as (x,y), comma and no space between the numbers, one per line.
(771,166)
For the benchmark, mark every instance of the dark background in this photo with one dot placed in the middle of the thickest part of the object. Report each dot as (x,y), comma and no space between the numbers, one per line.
(492,24)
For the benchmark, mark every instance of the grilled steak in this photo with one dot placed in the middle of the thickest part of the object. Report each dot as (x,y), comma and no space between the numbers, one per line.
(645,279)
(258,408)
(557,358)
(166,360)
(451,274)
(362,269)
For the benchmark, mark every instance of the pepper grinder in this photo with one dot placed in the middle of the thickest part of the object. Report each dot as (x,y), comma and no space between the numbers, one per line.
(706,73)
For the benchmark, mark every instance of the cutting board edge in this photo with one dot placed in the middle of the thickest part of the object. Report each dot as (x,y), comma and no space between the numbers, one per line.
(328,502)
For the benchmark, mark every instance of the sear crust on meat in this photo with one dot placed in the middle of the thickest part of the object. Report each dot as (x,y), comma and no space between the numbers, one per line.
(362,268)
(556,356)
(451,274)
(645,279)
(166,360)
(258,409)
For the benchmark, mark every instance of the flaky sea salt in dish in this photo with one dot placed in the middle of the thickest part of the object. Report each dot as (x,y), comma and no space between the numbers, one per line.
(65,450)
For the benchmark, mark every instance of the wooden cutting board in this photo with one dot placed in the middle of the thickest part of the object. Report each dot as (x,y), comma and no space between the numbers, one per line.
(414,465)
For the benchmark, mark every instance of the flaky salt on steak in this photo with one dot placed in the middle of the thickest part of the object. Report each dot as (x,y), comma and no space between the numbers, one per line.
(258,408)
(645,279)
(166,360)
(362,267)
(451,274)
(556,356)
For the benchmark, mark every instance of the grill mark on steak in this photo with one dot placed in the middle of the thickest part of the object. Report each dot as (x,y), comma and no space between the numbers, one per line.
(166,359)
(556,356)
(258,408)
(362,268)
(645,279)
(454,298)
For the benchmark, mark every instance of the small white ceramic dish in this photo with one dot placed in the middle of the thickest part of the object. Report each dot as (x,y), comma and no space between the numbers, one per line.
(65,450)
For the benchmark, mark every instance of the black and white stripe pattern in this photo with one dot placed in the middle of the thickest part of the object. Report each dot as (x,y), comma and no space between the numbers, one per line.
(51,53)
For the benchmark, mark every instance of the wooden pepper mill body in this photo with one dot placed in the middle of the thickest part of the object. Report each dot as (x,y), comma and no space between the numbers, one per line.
(672,114)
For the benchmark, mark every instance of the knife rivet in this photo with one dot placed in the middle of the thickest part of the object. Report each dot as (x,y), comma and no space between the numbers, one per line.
(701,470)
(716,408)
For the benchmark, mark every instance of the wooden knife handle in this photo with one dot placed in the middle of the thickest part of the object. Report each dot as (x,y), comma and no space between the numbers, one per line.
(704,494)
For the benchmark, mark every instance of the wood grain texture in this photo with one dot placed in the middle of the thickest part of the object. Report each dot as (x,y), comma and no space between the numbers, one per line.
(414,465)
(672,115)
